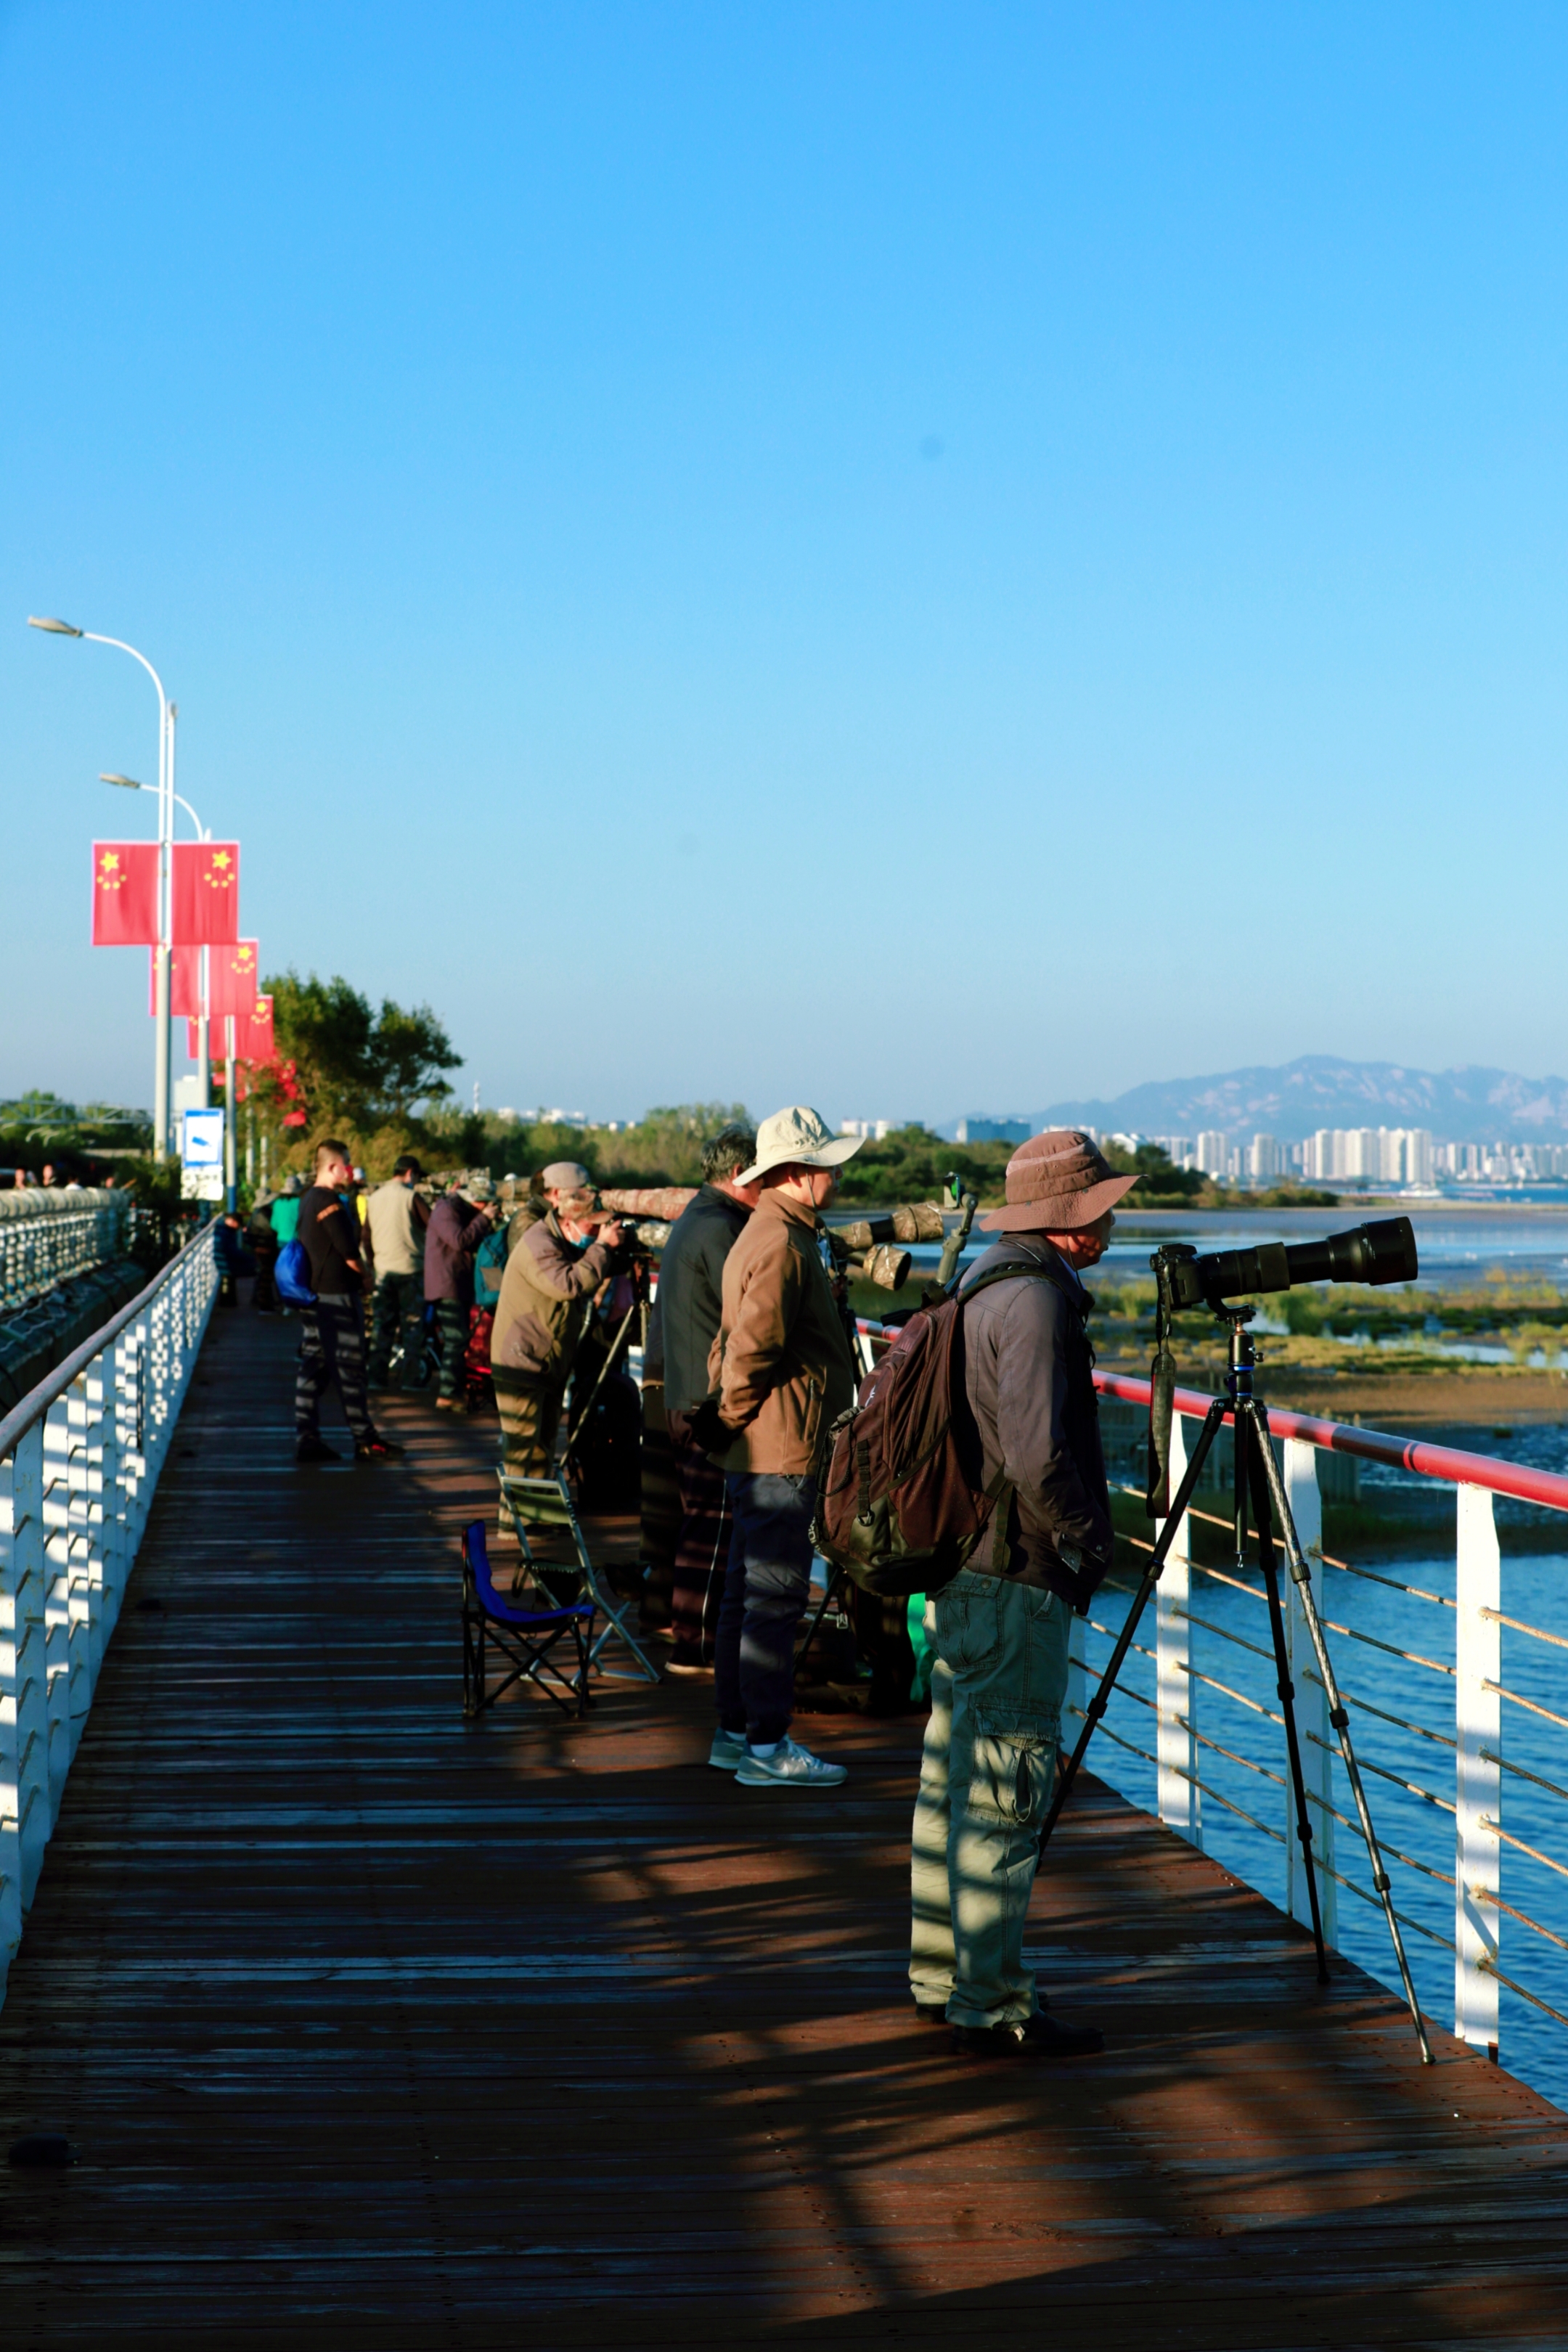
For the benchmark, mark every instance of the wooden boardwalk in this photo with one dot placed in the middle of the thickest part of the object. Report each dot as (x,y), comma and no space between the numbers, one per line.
(375,2030)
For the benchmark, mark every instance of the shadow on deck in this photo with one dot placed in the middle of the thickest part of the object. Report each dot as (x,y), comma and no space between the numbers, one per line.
(374,2028)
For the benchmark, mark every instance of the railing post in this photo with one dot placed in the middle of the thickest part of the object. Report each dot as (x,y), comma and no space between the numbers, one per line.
(56,1514)
(1179,1796)
(1075,1705)
(24,1669)
(1477,1786)
(1313,1727)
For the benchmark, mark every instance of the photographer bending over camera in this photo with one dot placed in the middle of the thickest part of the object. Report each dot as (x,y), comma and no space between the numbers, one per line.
(783,1372)
(546,1299)
(999,1630)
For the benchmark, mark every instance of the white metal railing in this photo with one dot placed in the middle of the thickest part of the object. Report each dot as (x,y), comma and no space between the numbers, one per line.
(79,1460)
(46,1236)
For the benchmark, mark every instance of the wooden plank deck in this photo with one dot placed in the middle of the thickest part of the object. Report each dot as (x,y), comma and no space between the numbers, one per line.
(377,2029)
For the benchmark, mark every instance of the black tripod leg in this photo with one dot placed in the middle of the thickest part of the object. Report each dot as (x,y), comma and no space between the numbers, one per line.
(1257,1445)
(1302,1577)
(1098,1703)
(834,1581)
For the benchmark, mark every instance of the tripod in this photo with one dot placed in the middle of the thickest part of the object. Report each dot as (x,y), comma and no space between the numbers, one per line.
(1258,1482)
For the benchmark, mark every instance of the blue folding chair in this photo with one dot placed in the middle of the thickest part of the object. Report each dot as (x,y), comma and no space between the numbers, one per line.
(525,1637)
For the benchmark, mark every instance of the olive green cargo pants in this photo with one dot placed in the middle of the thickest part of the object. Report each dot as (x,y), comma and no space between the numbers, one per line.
(986,1776)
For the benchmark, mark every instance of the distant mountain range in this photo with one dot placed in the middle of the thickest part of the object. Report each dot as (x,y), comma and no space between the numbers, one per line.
(1468,1106)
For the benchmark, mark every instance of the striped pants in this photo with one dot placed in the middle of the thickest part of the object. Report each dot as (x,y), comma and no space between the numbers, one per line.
(332,1347)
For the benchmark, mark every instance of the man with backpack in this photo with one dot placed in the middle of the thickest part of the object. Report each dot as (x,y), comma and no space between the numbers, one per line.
(999,1626)
(782,1371)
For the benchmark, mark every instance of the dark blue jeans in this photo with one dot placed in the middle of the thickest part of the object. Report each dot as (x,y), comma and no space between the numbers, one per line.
(766,1583)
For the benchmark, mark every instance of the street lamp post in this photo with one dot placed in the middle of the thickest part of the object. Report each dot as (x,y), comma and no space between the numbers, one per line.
(165,842)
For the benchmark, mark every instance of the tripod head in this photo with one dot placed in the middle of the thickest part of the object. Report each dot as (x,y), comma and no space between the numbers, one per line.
(1374,1254)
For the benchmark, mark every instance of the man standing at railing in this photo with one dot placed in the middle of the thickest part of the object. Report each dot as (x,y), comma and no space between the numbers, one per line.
(999,1630)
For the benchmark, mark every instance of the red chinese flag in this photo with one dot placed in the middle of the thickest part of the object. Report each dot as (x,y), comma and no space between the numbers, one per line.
(124,894)
(231,979)
(206,894)
(253,1037)
(185,984)
(193,1040)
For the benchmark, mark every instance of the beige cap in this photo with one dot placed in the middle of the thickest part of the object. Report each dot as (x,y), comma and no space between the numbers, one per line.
(799,1138)
(1056,1182)
(565,1176)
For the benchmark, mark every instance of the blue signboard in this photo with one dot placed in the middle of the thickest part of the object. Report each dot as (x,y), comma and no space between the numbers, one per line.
(201,1139)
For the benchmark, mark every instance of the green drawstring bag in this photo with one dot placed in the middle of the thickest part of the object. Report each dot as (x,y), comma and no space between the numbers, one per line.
(924,1655)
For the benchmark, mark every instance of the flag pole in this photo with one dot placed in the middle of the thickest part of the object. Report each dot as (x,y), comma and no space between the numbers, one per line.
(231,1115)
(162,1039)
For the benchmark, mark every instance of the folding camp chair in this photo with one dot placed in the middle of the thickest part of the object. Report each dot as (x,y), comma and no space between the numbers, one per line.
(525,1637)
(544,1503)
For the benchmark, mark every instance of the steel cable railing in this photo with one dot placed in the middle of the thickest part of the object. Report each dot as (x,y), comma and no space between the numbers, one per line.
(80,1459)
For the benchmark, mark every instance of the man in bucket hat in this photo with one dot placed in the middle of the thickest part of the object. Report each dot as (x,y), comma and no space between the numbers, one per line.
(999,1630)
(782,1373)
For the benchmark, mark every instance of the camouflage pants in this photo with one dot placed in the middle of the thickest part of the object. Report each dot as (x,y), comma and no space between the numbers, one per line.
(452,1338)
(331,1348)
(986,1774)
(399,1314)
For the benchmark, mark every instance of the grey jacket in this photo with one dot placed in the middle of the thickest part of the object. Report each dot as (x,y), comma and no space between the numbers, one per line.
(1028,1376)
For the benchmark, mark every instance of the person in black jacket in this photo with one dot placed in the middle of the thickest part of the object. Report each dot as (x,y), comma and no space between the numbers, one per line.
(690,1286)
(331,1332)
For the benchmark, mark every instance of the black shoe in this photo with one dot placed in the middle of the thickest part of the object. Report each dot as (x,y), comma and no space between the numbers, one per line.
(1038,2037)
(379,1449)
(312,1449)
(930,2012)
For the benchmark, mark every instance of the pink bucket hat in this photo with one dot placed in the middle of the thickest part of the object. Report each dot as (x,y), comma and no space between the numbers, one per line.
(1056,1182)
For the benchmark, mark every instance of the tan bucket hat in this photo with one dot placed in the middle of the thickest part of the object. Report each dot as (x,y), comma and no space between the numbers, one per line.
(566,1176)
(798,1137)
(1056,1182)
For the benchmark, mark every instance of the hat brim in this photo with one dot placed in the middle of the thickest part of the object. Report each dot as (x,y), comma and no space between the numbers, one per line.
(1060,1213)
(828,1155)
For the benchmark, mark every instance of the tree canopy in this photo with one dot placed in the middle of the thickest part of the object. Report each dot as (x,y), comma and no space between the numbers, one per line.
(364,1073)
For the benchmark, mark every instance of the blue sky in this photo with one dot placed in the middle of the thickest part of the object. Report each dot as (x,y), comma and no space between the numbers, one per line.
(917,558)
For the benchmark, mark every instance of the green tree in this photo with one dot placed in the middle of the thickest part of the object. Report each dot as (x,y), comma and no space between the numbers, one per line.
(366,1074)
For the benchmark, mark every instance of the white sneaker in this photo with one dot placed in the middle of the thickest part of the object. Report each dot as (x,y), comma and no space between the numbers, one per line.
(792,1767)
(729,1749)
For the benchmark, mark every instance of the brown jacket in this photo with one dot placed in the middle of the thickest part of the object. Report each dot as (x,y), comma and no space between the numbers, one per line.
(546,1299)
(781,1363)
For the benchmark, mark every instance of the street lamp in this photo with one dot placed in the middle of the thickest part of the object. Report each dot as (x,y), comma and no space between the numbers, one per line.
(165,789)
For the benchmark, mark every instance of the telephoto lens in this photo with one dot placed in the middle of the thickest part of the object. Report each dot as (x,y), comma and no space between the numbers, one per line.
(1381,1253)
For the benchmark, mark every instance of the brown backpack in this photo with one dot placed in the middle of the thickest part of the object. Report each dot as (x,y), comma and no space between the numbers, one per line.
(901,1504)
